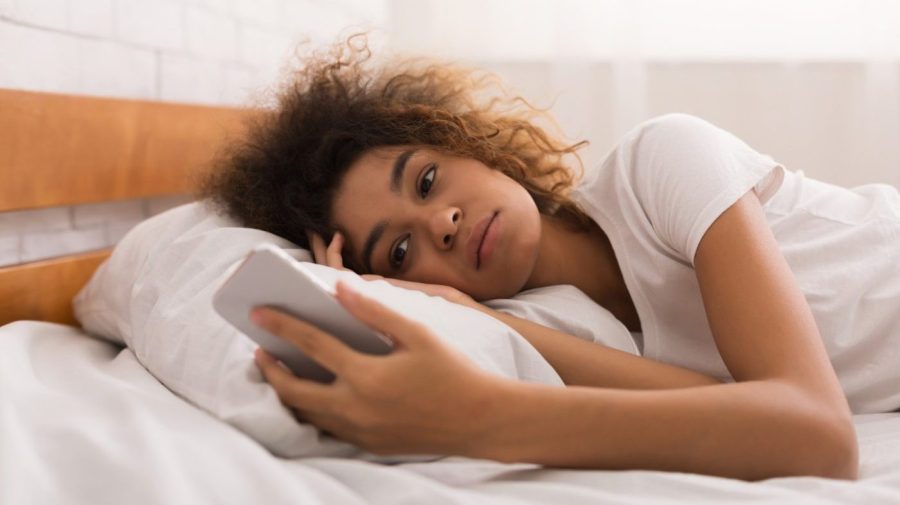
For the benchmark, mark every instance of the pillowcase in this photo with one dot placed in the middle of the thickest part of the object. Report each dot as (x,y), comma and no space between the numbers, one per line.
(566,308)
(154,294)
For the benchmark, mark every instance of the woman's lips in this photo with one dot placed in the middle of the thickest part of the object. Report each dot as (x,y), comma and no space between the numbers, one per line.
(489,240)
(474,246)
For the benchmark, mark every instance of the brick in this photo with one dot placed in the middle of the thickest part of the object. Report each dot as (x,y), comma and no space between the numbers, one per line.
(97,214)
(158,24)
(322,23)
(218,5)
(44,13)
(7,224)
(9,249)
(365,11)
(191,80)
(41,245)
(111,69)
(91,17)
(50,62)
(244,85)
(264,47)
(39,220)
(210,33)
(265,12)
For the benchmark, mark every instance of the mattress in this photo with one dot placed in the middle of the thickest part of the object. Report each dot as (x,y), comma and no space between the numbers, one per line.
(81,421)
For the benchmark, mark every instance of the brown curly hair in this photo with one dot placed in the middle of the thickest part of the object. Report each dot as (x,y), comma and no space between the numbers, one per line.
(282,176)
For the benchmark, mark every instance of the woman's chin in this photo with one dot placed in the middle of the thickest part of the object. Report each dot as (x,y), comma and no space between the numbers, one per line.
(492,291)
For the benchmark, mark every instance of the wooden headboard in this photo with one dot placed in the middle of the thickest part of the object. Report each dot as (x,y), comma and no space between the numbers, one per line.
(65,150)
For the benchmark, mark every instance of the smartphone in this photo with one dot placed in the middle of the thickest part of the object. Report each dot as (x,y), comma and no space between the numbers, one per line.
(269,276)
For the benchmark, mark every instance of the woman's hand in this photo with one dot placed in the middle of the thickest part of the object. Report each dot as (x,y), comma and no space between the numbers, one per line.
(424,397)
(329,255)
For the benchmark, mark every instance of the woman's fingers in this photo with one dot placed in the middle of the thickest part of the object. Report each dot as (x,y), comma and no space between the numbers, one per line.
(403,331)
(317,245)
(329,255)
(333,253)
(320,346)
(293,392)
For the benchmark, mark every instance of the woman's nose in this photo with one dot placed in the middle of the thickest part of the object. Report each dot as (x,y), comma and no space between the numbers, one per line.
(445,225)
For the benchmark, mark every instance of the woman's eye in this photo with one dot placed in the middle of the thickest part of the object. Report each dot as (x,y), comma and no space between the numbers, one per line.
(398,253)
(427,180)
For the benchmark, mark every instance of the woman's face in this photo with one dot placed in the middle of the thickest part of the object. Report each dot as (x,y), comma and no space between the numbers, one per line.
(417,214)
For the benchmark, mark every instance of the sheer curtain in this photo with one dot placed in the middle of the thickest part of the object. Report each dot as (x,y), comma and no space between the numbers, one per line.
(814,83)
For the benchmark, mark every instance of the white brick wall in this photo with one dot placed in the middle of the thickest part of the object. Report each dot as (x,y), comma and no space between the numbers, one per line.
(158,24)
(194,51)
(210,33)
(31,235)
(47,13)
(93,17)
(110,69)
(186,78)
(124,48)
(37,59)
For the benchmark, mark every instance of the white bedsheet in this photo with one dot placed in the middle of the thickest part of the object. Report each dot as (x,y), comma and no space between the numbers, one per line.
(81,421)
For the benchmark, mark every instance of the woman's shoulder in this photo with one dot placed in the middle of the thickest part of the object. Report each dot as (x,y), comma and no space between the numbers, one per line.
(672,132)
(660,138)
(671,122)
(658,143)
(677,147)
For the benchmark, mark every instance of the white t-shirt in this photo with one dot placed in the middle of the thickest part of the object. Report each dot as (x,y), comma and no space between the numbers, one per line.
(662,186)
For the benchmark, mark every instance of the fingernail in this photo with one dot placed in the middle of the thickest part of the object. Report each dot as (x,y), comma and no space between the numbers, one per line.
(260,356)
(348,294)
(258,317)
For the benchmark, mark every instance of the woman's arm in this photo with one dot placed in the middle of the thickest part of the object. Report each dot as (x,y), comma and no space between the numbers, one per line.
(748,430)
(582,363)
(787,414)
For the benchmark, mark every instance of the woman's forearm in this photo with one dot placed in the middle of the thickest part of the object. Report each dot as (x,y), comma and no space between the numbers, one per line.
(747,430)
(583,363)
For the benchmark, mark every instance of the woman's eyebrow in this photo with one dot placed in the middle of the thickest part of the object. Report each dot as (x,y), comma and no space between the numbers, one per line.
(373,237)
(400,169)
(396,186)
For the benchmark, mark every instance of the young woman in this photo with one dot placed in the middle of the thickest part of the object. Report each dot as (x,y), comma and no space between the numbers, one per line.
(763,300)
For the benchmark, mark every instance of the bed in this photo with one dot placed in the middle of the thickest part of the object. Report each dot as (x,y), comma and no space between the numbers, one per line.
(83,421)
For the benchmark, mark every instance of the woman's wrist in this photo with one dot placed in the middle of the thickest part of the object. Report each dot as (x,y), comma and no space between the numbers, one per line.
(518,424)
(490,427)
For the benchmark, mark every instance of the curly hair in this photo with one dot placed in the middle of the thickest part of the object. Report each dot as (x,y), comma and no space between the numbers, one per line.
(282,176)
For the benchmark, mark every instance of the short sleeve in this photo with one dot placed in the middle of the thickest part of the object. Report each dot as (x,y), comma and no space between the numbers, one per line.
(686,171)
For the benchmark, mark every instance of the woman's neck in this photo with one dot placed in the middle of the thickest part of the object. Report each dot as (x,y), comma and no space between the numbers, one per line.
(583,259)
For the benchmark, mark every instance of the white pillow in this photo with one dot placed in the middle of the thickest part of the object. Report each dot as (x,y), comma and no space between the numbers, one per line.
(566,308)
(154,295)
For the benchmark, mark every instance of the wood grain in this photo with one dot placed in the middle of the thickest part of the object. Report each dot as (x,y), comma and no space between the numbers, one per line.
(43,290)
(64,150)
